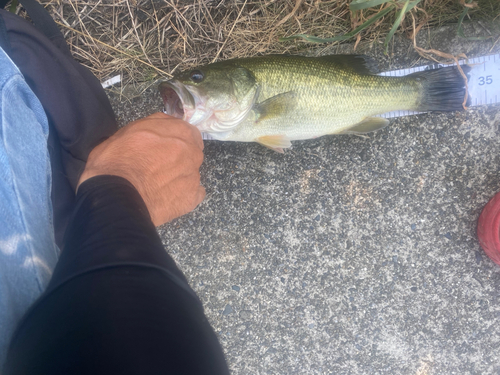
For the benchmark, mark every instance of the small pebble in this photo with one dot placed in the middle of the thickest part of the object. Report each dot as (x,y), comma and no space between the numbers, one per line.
(245,314)
(227,310)
(235,287)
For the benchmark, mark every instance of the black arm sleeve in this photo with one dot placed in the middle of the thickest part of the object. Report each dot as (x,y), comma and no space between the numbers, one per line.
(116,303)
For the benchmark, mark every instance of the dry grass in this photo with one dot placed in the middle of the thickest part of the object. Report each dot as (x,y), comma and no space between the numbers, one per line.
(148,39)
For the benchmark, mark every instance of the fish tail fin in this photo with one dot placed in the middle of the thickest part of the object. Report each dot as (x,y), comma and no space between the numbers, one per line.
(443,89)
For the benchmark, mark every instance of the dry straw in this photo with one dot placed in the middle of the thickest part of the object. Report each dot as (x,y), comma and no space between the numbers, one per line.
(144,40)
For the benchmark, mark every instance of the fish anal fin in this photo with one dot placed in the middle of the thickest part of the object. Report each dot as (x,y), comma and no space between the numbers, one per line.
(368,125)
(274,106)
(275,142)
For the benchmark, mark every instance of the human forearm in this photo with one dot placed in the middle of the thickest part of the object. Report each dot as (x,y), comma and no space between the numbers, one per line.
(111,220)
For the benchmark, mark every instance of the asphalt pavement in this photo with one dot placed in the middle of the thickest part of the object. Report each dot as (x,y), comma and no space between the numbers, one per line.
(350,255)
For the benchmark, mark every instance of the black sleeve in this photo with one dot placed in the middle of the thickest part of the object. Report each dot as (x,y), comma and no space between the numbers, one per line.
(116,303)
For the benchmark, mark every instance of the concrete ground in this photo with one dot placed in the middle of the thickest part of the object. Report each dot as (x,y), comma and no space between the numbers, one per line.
(348,255)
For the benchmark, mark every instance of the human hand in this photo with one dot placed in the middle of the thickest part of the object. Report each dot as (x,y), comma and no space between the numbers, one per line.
(160,155)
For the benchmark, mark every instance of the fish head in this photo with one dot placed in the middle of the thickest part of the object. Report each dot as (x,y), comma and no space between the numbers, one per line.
(215,98)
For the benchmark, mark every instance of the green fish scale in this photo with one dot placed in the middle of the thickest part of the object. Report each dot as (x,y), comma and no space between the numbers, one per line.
(328,98)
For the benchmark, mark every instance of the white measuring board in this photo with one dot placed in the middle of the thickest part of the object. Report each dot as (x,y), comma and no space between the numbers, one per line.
(483,82)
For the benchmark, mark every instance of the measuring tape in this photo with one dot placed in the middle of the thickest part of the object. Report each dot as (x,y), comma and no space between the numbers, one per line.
(483,82)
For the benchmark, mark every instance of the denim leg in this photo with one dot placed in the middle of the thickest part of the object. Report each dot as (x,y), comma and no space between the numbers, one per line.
(28,252)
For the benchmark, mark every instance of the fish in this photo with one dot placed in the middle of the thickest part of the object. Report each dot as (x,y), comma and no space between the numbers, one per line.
(277,99)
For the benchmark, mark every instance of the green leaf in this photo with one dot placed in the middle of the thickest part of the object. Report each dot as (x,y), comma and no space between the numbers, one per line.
(314,39)
(460,30)
(13,6)
(409,5)
(413,4)
(395,26)
(357,30)
(363,4)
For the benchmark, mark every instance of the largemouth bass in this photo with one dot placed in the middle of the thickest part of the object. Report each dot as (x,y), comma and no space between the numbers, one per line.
(277,99)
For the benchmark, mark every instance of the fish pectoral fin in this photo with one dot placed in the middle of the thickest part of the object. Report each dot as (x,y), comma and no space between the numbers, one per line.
(274,106)
(369,124)
(275,142)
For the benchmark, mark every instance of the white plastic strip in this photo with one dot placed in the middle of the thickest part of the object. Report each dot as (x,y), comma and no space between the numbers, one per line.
(111,81)
(484,81)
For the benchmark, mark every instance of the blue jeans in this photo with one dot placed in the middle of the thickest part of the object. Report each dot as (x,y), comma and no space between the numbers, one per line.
(28,252)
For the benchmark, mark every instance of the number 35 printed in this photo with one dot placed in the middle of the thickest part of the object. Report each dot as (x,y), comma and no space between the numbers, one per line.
(488,80)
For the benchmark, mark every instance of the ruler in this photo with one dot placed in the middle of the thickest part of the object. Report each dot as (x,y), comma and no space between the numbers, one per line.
(484,82)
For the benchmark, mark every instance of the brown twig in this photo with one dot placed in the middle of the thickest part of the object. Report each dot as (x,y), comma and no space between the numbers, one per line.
(230,31)
(426,53)
(155,37)
(116,50)
(289,15)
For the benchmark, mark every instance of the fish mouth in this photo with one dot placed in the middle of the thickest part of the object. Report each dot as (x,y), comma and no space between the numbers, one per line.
(191,104)
(185,102)
(177,100)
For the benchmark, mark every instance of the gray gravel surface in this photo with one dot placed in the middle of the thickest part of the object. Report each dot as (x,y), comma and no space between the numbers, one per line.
(349,255)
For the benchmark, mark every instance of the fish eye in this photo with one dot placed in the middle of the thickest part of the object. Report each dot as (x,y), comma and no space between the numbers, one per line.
(196,76)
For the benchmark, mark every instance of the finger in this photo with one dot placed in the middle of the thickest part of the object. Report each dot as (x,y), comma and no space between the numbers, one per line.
(200,196)
(160,115)
(175,211)
(177,126)
(198,137)
(196,195)
(195,135)
(154,117)
(194,132)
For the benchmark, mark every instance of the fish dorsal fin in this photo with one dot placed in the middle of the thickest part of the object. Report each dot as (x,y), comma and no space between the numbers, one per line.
(275,142)
(361,64)
(368,125)
(275,106)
